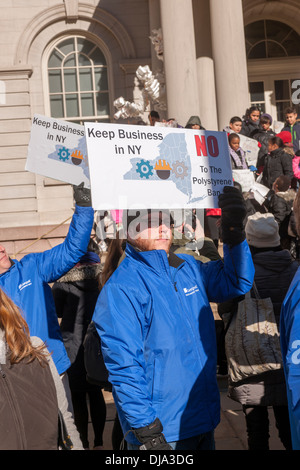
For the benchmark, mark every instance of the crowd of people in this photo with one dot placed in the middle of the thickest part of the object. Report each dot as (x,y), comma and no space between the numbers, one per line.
(151,305)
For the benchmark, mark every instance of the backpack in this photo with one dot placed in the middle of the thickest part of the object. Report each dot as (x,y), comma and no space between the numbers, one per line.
(96,372)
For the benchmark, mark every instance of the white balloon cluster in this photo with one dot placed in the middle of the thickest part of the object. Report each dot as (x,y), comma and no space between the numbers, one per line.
(151,84)
(152,88)
(127,109)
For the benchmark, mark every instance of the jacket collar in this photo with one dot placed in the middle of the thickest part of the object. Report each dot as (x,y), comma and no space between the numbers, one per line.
(154,259)
(12,264)
(82,272)
(276,152)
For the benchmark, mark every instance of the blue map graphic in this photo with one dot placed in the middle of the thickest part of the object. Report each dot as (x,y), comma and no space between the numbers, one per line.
(172,164)
(73,156)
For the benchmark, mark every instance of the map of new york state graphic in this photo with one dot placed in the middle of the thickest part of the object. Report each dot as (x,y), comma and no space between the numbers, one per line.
(66,155)
(172,164)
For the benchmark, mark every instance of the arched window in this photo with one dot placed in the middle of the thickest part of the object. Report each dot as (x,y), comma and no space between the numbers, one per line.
(78,82)
(267,39)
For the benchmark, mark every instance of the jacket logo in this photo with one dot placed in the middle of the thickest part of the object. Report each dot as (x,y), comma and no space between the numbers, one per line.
(296,354)
(25,284)
(191,290)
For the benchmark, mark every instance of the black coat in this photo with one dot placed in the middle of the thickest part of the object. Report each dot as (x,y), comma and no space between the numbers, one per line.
(274,272)
(280,204)
(249,127)
(277,163)
(263,138)
(75,296)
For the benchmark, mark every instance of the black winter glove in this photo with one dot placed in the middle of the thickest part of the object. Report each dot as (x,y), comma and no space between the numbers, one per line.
(233,207)
(82,195)
(151,437)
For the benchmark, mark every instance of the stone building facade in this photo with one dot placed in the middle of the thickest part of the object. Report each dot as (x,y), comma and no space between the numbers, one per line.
(71,59)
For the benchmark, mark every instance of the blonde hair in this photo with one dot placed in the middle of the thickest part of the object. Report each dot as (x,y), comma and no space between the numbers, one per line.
(17,334)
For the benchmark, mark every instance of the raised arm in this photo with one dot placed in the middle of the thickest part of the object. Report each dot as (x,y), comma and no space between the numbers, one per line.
(235,276)
(52,264)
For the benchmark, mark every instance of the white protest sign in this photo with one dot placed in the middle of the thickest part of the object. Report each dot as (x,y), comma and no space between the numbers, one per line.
(251,149)
(245,178)
(259,192)
(156,167)
(278,126)
(57,149)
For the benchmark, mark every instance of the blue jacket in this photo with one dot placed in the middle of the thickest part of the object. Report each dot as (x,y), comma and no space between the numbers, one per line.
(290,347)
(26,283)
(158,336)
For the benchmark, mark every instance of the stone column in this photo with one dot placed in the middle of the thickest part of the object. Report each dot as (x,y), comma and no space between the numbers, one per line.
(229,54)
(154,23)
(179,59)
(205,65)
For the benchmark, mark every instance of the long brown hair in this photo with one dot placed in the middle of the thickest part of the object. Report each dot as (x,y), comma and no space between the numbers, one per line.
(17,334)
(114,253)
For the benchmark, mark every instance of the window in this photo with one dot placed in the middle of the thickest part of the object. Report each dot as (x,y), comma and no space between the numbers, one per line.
(267,39)
(257,95)
(78,82)
(274,95)
(283,98)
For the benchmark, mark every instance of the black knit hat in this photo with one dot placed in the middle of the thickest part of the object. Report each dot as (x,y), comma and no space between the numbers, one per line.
(132,214)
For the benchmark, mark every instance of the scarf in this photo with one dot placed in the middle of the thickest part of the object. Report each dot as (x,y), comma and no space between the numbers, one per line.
(239,160)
